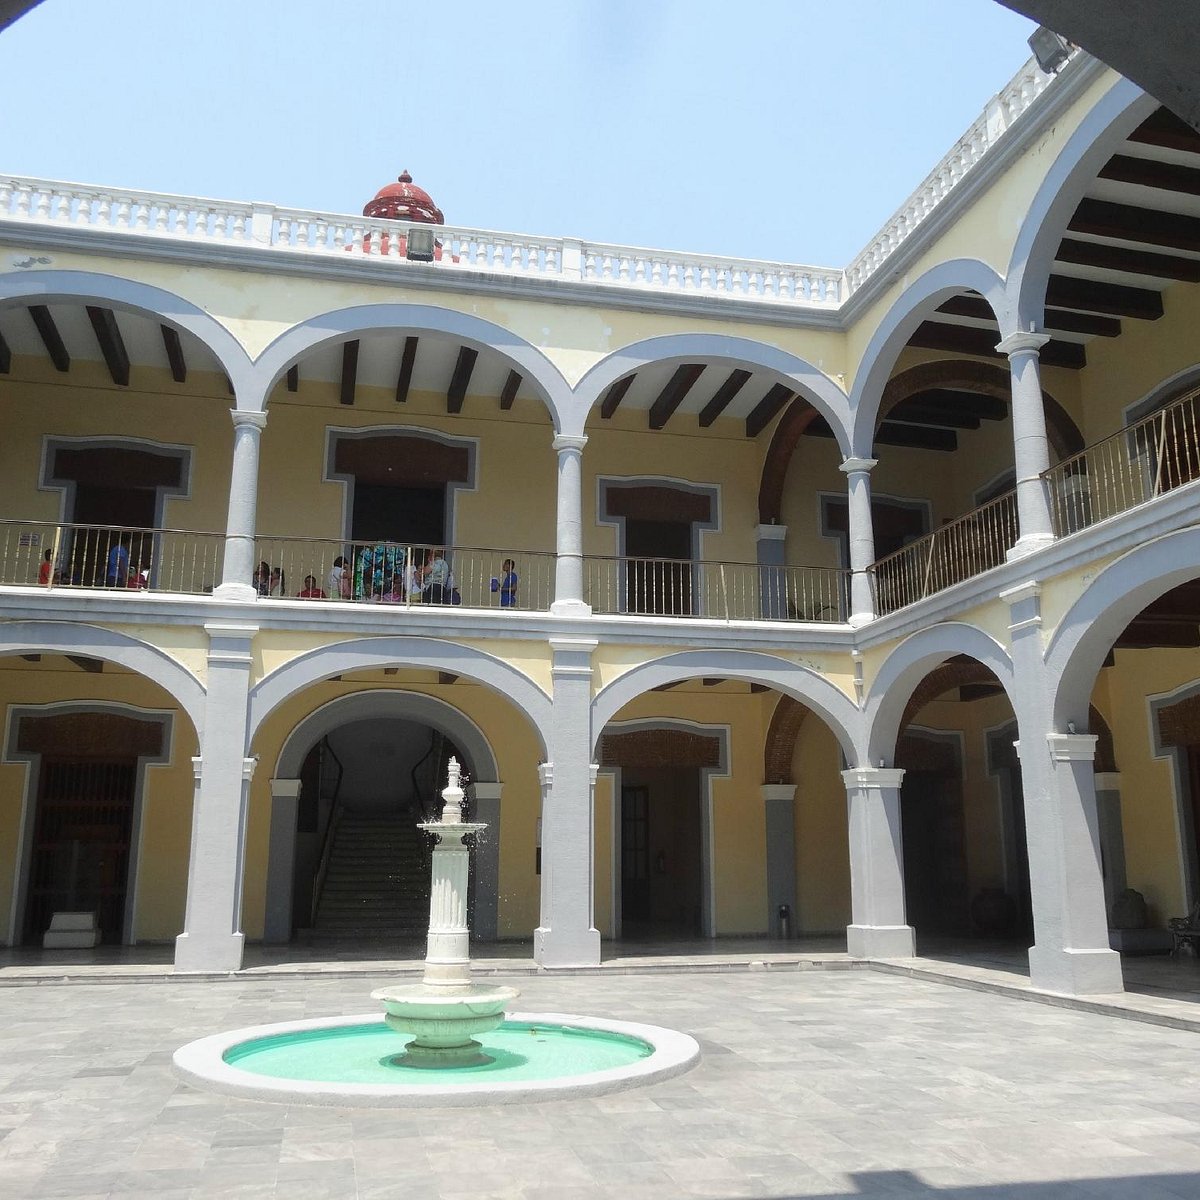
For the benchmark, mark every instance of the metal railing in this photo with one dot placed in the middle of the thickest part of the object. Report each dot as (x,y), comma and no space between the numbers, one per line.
(728,591)
(958,550)
(383,572)
(1146,459)
(118,558)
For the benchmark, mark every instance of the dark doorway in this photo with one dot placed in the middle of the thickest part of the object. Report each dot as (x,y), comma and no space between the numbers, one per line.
(935,876)
(653,584)
(80,860)
(409,515)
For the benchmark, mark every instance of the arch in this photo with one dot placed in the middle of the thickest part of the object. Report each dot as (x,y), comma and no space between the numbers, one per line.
(1092,624)
(1116,114)
(797,417)
(92,641)
(1163,393)
(389,704)
(813,384)
(341,323)
(780,745)
(430,654)
(802,683)
(908,664)
(83,287)
(898,325)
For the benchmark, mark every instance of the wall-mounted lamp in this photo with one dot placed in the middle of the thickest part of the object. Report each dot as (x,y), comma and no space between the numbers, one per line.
(420,244)
(1050,49)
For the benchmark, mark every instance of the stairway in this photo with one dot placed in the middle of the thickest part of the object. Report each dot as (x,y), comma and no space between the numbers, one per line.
(377,881)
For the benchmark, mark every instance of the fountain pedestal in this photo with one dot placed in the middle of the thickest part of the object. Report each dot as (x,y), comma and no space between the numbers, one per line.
(446,1010)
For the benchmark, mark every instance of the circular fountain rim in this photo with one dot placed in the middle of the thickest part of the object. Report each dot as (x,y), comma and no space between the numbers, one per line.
(203,1064)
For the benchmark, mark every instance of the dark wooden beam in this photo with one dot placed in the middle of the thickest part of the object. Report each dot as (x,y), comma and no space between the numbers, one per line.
(1131,262)
(722,396)
(391,670)
(979,691)
(112,344)
(960,339)
(912,412)
(710,682)
(989,408)
(1148,172)
(293,377)
(5,356)
(32,657)
(174,348)
(765,410)
(407,360)
(229,386)
(918,437)
(509,392)
(349,371)
(461,379)
(446,679)
(666,687)
(670,398)
(93,666)
(1164,128)
(1055,318)
(614,396)
(1143,304)
(757,689)
(1150,226)
(51,338)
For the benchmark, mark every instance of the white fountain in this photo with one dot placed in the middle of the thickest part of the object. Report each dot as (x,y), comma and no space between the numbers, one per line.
(444,1012)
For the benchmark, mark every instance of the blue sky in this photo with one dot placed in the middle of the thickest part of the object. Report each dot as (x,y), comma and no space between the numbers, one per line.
(784,129)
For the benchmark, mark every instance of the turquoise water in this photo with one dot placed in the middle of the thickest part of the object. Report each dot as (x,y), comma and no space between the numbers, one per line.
(363,1053)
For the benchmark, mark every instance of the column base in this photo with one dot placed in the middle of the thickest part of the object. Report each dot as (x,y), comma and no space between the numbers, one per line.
(577,948)
(880,941)
(1029,544)
(570,608)
(1075,972)
(235,591)
(209,952)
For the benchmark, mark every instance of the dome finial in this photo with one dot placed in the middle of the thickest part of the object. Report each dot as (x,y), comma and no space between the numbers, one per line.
(404,177)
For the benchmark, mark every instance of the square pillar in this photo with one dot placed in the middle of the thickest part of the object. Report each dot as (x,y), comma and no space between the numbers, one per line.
(281,861)
(779,806)
(487,860)
(772,572)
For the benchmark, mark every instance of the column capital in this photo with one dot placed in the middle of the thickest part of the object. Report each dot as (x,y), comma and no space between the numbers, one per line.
(770,533)
(242,417)
(546,774)
(248,765)
(1022,342)
(1072,747)
(487,790)
(875,778)
(287,789)
(569,441)
(852,464)
(777,791)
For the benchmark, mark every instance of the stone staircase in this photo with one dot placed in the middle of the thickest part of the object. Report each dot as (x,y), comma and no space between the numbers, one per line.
(377,881)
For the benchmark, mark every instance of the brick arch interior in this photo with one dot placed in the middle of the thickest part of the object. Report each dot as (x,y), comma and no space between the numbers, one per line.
(780,746)
(665,746)
(957,672)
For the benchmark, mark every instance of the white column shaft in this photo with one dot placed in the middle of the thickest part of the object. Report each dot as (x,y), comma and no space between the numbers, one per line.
(238,570)
(1031,446)
(861,536)
(568,571)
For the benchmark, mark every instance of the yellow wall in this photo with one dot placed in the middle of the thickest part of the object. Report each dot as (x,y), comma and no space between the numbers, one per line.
(822,835)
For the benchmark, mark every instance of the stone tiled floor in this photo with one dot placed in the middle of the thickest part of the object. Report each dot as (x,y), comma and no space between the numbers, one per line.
(814,1084)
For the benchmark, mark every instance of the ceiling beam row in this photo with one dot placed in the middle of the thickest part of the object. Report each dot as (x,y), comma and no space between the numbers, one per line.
(112,345)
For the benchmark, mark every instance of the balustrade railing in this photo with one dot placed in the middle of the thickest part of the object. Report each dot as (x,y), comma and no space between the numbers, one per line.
(1155,455)
(383,572)
(958,550)
(115,557)
(727,591)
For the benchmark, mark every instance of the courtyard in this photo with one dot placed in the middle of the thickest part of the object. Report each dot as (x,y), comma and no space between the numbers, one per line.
(813,1083)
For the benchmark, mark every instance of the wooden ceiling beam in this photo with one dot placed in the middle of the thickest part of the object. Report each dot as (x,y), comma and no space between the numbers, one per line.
(1149,226)
(614,396)
(1149,172)
(709,681)
(1163,128)
(670,398)
(349,371)
(914,437)
(722,397)
(989,408)
(293,377)
(461,379)
(34,658)
(909,412)
(1055,318)
(112,344)
(407,361)
(666,687)
(51,338)
(446,679)
(509,392)
(1130,262)
(1117,300)
(5,356)
(757,689)
(93,666)
(174,348)
(961,339)
(766,409)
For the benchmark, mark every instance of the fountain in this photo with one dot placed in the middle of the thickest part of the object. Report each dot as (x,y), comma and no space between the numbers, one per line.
(425,1051)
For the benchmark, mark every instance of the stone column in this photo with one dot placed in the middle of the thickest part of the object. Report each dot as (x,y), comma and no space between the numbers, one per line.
(487,859)
(237,573)
(862,538)
(568,568)
(1112,834)
(567,934)
(878,928)
(772,572)
(1070,954)
(212,937)
(1031,447)
(779,803)
(281,861)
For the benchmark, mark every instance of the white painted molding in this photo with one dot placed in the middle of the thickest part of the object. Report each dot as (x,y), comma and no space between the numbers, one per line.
(569,441)
(1022,342)
(770,533)
(1072,747)
(873,777)
(850,465)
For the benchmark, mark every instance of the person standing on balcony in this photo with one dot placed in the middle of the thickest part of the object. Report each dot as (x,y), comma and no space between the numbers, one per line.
(311,591)
(117,574)
(339,580)
(276,585)
(262,579)
(506,583)
(437,580)
(46,572)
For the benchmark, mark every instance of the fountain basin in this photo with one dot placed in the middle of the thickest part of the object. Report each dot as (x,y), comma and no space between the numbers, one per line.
(443,1021)
(355,1062)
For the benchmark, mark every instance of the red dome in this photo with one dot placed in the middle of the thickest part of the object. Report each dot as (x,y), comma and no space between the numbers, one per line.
(404,201)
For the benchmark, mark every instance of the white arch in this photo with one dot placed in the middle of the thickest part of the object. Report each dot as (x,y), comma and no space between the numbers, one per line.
(908,664)
(430,654)
(802,683)
(389,703)
(899,323)
(1116,114)
(92,641)
(813,384)
(83,287)
(1092,624)
(419,318)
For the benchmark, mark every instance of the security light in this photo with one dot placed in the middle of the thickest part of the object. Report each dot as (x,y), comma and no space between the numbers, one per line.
(1050,49)
(420,245)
